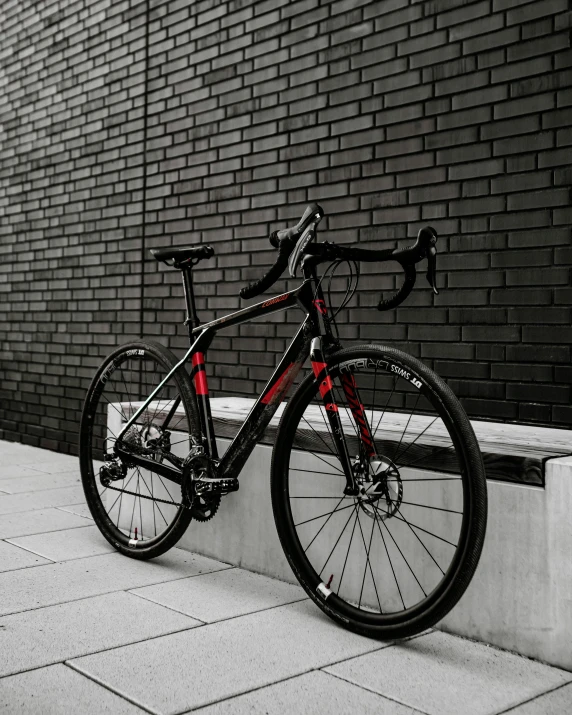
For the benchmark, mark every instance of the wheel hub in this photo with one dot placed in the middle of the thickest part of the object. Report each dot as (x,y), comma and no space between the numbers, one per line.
(380,488)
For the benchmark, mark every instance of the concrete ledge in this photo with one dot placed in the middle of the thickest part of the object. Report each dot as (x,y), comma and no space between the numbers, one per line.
(521,596)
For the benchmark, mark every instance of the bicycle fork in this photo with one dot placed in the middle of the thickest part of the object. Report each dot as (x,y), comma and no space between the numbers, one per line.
(321,373)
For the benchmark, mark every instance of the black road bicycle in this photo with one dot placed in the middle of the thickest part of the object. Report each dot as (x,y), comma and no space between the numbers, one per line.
(378,485)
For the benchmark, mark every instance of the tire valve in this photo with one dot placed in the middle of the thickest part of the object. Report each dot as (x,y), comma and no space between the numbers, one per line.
(135,533)
(330,581)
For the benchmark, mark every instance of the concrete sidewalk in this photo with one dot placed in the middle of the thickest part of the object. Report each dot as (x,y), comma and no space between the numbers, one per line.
(84,629)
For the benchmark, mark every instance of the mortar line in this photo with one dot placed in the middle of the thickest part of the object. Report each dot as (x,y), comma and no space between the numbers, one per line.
(111,689)
(97,652)
(104,593)
(534,697)
(375,692)
(221,620)
(144,186)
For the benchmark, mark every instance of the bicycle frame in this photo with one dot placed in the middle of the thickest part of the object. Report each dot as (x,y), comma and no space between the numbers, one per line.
(306,342)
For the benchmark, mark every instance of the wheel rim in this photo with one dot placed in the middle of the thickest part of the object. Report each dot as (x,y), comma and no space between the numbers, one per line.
(136,507)
(391,553)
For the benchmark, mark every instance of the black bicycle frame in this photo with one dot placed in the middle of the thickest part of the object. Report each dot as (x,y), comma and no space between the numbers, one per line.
(306,342)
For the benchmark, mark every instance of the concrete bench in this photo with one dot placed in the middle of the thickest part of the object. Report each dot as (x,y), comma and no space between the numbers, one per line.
(521,595)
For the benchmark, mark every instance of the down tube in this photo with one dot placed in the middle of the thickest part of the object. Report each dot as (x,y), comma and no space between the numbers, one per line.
(265,407)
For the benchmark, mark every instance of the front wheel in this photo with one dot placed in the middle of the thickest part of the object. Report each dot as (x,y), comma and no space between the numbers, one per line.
(394,559)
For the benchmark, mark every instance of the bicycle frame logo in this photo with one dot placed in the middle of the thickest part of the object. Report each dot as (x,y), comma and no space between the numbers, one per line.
(273,301)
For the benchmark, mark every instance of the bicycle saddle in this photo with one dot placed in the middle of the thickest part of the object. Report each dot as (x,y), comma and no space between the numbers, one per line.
(181,257)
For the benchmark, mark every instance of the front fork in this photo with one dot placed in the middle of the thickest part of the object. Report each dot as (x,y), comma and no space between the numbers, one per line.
(327,392)
(352,396)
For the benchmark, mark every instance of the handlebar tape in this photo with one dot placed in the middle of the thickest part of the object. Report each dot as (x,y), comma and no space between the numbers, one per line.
(398,297)
(285,248)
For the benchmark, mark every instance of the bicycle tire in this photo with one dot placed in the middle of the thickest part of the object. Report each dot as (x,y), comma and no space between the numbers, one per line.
(133,367)
(292,447)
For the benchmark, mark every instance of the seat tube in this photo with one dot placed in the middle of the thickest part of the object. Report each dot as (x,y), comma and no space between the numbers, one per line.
(321,373)
(199,374)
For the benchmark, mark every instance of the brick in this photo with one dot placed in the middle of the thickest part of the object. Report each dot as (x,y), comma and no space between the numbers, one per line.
(532,11)
(480,97)
(538,199)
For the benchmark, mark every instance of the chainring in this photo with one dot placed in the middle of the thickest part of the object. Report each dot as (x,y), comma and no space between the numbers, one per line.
(204,508)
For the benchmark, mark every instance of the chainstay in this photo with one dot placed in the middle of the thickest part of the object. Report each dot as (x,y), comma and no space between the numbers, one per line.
(144,496)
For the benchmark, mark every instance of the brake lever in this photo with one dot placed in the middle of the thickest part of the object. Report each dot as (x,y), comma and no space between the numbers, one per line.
(432,268)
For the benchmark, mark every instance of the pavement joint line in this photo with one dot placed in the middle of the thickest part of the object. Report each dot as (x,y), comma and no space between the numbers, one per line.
(39,533)
(384,644)
(534,697)
(277,682)
(39,508)
(65,507)
(7,541)
(170,608)
(101,650)
(245,692)
(39,473)
(375,692)
(37,491)
(221,620)
(104,593)
(116,691)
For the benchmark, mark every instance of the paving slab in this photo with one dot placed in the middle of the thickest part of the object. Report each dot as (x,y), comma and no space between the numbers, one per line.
(38,522)
(451,675)
(15,471)
(71,580)
(15,503)
(13,558)
(59,690)
(557,702)
(39,481)
(223,594)
(56,633)
(53,465)
(12,453)
(316,692)
(203,665)
(66,544)
(79,509)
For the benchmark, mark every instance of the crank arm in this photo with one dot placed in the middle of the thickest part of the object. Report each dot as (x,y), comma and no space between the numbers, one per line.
(174,475)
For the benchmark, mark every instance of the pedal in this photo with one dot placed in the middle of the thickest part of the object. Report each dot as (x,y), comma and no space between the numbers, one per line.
(216,485)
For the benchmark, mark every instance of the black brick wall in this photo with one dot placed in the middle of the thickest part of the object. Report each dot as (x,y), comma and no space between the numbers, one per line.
(129,125)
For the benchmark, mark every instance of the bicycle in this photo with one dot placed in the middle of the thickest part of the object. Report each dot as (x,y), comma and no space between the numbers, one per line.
(359,487)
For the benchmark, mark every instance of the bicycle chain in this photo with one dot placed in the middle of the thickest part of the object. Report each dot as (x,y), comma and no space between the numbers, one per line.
(144,496)
(200,512)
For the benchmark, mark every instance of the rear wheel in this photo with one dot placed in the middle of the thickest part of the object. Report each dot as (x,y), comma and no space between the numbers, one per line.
(140,512)
(394,559)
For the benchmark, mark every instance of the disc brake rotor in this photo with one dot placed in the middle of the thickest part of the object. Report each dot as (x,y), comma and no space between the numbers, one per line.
(381,490)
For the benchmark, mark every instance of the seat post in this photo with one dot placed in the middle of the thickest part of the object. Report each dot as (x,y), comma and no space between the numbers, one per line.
(192,320)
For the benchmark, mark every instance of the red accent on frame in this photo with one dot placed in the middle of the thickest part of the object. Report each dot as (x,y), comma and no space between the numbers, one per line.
(201,386)
(325,386)
(317,367)
(275,387)
(320,305)
(349,385)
